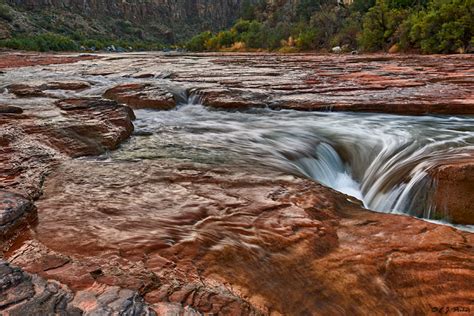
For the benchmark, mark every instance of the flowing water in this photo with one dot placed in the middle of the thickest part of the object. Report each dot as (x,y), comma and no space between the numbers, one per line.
(380,159)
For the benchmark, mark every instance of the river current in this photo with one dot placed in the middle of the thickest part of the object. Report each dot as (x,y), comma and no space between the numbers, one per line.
(381,159)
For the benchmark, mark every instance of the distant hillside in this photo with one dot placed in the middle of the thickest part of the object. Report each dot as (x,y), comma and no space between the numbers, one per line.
(428,26)
(167,21)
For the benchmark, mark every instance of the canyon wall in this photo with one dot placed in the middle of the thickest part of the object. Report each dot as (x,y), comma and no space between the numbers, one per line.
(170,20)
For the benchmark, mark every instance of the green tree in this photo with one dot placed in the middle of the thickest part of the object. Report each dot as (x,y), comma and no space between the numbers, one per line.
(381,26)
(445,27)
(198,43)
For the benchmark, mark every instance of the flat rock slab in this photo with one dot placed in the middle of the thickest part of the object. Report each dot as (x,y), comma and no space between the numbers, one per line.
(239,242)
(14,60)
(142,96)
(401,84)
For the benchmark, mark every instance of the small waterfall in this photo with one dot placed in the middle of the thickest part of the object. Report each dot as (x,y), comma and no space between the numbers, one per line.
(194,97)
(327,167)
(383,160)
(385,186)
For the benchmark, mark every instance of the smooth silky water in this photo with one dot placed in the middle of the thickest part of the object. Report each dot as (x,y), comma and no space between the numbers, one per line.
(381,159)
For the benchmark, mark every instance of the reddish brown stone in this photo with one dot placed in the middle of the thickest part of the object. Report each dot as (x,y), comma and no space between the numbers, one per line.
(142,96)
(25,91)
(14,60)
(454,190)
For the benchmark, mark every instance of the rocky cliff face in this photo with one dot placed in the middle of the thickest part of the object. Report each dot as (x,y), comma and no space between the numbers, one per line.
(146,19)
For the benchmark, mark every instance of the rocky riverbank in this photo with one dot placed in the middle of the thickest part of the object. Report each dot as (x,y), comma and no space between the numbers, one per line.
(157,236)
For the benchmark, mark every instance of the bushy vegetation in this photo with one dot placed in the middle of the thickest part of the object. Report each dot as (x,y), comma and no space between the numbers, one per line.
(54,42)
(428,26)
(44,42)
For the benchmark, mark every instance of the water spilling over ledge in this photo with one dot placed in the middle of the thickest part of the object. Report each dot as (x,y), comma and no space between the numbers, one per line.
(383,160)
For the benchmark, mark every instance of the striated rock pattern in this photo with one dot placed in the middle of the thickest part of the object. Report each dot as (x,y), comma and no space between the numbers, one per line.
(31,144)
(238,242)
(142,96)
(14,211)
(408,85)
(13,60)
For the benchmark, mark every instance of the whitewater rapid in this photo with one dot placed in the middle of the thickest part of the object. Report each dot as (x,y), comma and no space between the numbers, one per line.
(380,159)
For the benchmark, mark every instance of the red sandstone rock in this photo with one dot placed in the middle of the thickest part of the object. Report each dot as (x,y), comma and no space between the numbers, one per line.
(14,60)
(232,241)
(70,85)
(25,91)
(30,147)
(454,190)
(15,211)
(142,96)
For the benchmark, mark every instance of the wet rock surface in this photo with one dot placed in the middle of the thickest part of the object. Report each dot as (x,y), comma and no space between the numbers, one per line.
(163,236)
(410,85)
(228,241)
(13,60)
(142,96)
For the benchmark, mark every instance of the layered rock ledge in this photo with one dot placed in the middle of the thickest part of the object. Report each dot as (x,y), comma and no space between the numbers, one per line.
(407,85)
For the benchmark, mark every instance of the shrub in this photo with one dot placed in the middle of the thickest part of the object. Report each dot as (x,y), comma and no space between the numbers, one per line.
(198,42)
(6,13)
(43,42)
(445,27)
(381,26)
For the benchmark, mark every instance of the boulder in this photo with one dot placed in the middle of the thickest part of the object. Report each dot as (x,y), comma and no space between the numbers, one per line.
(336,50)
(454,190)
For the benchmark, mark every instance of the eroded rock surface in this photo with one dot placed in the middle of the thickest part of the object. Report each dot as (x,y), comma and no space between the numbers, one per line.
(412,85)
(142,96)
(232,242)
(13,60)
(32,142)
